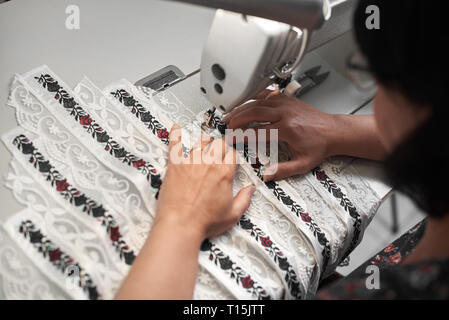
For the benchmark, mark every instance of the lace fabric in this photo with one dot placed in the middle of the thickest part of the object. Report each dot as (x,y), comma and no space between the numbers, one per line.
(20,278)
(110,146)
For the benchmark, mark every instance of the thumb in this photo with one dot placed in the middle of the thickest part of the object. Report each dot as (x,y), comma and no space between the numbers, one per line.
(242,200)
(285,169)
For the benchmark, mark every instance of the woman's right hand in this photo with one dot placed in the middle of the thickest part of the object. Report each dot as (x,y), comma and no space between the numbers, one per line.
(311,135)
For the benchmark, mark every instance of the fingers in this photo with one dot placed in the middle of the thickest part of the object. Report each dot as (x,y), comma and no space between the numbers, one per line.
(242,200)
(271,102)
(230,160)
(215,152)
(286,169)
(175,145)
(265,94)
(253,114)
(202,143)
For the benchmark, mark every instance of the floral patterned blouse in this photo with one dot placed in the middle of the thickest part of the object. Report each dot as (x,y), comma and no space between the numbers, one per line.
(423,280)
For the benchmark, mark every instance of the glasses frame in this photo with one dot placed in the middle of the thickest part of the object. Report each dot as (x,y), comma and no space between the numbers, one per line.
(358,68)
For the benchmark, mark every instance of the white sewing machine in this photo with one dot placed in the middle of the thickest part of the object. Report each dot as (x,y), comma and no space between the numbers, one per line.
(254,44)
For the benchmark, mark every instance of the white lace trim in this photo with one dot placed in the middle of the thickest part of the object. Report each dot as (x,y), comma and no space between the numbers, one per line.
(124,192)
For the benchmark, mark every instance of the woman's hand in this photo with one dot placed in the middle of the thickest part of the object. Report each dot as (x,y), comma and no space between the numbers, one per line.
(199,196)
(311,134)
(195,202)
(305,129)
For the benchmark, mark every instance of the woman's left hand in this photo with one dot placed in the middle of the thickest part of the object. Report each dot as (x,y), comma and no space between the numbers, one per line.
(197,193)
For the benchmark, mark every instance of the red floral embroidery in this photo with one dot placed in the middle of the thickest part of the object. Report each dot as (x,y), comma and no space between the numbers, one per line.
(321,176)
(80,115)
(305,217)
(162,133)
(76,198)
(55,255)
(390,248)
(247,282)
(85,120)
(266,242)
(62,185)
(115,233)
(138,163)
(395,258)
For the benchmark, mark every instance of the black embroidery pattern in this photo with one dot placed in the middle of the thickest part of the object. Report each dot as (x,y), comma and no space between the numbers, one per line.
(75,197)
(234,271)
(290,277)
(143,114)
(99,133)
(333,189)
(61,260)
(282,196)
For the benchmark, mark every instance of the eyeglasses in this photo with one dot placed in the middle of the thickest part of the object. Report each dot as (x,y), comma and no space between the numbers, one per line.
(359,72)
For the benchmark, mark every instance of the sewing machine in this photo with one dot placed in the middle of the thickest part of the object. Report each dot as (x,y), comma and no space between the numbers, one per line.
(247,50)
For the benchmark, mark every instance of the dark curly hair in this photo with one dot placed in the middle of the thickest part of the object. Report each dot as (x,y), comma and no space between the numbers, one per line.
(408,53)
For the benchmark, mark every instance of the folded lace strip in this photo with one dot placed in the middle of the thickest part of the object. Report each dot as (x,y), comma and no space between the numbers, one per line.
(30,234)
(20,278)
(80,165)
(49,177)
(114,120)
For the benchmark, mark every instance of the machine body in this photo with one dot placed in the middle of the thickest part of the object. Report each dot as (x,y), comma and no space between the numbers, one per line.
(245,53)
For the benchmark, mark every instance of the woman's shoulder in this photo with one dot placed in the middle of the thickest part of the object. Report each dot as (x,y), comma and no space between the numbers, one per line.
(385,277)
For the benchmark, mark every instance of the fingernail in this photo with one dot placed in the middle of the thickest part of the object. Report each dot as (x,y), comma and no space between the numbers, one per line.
(252,189)
(266,178)
(226,118)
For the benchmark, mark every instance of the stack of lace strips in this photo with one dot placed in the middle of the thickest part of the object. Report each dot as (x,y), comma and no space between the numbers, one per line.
(88,165)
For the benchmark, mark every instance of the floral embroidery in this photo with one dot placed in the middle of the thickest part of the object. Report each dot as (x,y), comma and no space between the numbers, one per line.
(234,271)
(333,189)
(290,277)
(142,113)
(75,197)
(282,196)
(98,133)
(57,257)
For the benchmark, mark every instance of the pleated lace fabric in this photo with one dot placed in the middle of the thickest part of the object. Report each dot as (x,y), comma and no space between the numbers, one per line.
(88,165)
